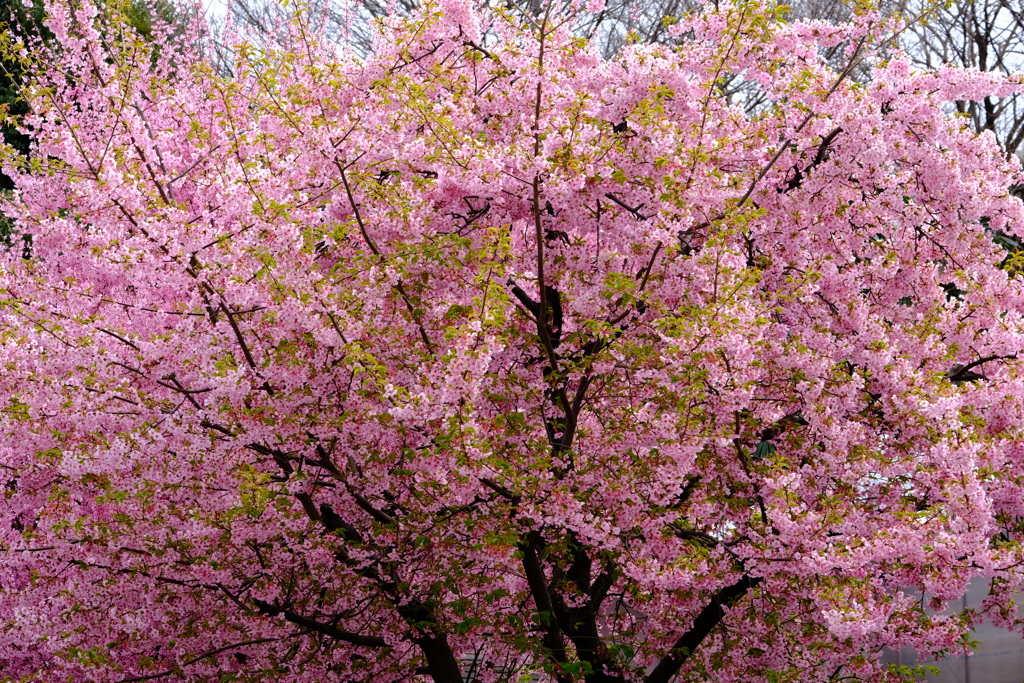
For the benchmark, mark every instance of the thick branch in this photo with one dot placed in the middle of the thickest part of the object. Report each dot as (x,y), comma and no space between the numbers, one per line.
(964,373)
(635,210)
(707,620)
(580,623)
(441,662)
(538,583)
(797,180)
(314,625)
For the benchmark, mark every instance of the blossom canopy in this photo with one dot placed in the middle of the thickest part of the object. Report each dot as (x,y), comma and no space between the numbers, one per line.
(483,348)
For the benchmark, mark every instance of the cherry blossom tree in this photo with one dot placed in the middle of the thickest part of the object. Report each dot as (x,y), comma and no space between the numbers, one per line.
(482,355)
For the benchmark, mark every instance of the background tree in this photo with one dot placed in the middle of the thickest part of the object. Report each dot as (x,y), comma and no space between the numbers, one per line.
(341,366)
